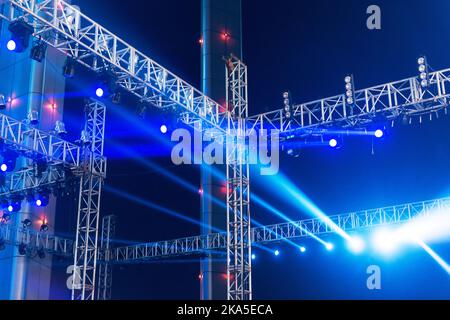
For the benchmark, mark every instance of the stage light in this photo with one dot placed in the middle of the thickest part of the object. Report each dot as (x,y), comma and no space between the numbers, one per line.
(329,246)
(69,68)
(60,128)
(379,133)
(2,102)
(42,199)
(356,244)
(20,35)
(302,249)
(85,137)
(163,129)
(333,143)
(253,256)
(423,71)
(11,45)
(286,104)
(22,249)
(44,226)
(276,253)
(38,50)
(33,117)
(99,92)
(116,97)
(10,208)
(349,87)
(27,223)
(8,163)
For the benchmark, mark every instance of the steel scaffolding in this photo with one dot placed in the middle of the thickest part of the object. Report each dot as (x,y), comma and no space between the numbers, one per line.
(292,230)
(67,29)
(239,284)
(86,241)
(105,268)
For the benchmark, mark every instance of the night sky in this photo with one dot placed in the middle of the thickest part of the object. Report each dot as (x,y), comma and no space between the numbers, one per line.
(306,47)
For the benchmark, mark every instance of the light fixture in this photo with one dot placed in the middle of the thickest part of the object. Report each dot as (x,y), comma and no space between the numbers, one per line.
(27,223)
(286,105)
(20,35)
(33,117)
(85,137)
(60,128)
(44,226)
(42,199)
(163,129)
(253,256)
(15,204)
(8,163)
(276,253)
(329,246)
(423,72)
(69,68)
(379,133)
(333,143)
(349,90)
(2,102)
(302,249)
(38,50)
(99,92)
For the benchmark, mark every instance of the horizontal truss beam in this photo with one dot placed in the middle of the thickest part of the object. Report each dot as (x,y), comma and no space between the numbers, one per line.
(354,221)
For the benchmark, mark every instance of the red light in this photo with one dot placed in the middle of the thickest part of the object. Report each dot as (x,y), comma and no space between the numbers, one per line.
(225,36)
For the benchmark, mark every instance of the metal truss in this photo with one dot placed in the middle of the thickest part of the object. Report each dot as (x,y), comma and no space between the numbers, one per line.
(67,29)
(405,97)
(349,222)
(27,179)
(86,242)
(35,240)
(105,268)
(239,284)
(34,143)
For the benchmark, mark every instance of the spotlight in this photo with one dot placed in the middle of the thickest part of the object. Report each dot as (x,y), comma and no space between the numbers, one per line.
(349,87)
(329,246)
(423,72)
(99,92)
(33,117)
(276,253)
(41,253)
(333,143)
(42,199)
(27,223)
(163,129)
(116,97)
(60,128)
(253,256)
(379,133)
(6,217)
(38,50)
(85,137)
(302,249)
(20,35)
(69,68)
(2,102)
(287,105)
(9,161)
(15,204)
(22,249)
(44,226)
(356,244)
(11,45)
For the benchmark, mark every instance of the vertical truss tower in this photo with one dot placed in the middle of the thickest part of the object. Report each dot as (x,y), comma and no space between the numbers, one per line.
(239,285)
(94,164)
(105,269)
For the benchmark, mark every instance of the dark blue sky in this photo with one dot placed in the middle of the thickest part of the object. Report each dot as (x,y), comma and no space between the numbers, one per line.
(306,47)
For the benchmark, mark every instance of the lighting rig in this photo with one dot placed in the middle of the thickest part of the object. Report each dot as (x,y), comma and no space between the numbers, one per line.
(150,82)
